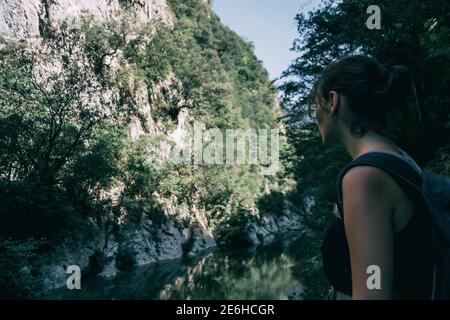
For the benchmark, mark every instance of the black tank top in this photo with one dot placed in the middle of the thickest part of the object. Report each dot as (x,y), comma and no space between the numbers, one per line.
(413,256)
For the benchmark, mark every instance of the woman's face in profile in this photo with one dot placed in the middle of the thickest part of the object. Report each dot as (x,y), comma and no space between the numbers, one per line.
(328,126)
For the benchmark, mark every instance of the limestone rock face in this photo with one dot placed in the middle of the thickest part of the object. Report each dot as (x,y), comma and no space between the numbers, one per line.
(26,18)
(274,226)
(19,18)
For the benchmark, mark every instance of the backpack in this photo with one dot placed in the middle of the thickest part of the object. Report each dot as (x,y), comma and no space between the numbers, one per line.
(434,192)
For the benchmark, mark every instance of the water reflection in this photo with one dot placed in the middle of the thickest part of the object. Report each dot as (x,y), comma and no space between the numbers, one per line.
(264,274)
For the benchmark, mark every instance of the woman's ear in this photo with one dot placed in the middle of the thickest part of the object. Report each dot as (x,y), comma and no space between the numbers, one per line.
(333,99)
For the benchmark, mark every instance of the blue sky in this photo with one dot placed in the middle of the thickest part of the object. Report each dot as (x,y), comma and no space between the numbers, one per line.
(269,24)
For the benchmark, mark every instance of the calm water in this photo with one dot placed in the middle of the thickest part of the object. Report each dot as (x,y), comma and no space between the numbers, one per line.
(269,273)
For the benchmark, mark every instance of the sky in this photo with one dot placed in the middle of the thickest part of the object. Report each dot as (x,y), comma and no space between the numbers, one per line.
(269,24)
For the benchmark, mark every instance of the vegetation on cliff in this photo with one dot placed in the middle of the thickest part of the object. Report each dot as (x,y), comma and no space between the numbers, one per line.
(66,157)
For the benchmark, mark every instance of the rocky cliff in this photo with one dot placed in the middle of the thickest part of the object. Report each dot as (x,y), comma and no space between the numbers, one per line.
(27,19)
(168,64)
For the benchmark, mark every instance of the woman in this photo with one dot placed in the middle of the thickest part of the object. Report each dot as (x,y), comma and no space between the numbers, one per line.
(355,99)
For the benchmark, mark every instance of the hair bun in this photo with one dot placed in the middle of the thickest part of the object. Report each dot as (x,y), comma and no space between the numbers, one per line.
(396,85)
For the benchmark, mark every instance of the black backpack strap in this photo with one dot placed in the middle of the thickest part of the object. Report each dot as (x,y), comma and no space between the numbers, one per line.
(400,170)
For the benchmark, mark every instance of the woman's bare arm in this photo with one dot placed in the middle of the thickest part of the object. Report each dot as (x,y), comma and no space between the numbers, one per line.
(368,218)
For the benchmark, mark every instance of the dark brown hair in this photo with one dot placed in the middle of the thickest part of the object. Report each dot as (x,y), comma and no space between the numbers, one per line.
(373,92)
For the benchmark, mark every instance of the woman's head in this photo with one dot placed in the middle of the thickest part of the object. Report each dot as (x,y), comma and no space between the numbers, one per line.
(359,93)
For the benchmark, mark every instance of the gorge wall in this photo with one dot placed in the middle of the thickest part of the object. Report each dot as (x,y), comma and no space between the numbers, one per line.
(141,71)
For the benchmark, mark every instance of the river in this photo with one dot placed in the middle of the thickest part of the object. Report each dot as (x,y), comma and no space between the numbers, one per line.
(267,273)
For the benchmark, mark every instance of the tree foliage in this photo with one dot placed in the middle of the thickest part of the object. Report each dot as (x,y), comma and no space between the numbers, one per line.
(413,33)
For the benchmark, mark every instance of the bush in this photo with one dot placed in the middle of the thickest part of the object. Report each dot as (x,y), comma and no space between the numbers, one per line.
(96,264)
(125,259)
(233,232)
(33,211)
(187,246)
(271,204)
(18,279)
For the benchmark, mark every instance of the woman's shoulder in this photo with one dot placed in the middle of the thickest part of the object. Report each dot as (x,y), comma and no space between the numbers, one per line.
(366,176)
(369,183)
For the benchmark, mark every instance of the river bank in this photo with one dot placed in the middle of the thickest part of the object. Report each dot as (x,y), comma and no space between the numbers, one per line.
(269,272)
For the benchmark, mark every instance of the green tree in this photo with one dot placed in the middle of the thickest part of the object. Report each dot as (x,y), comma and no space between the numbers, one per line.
(412,33)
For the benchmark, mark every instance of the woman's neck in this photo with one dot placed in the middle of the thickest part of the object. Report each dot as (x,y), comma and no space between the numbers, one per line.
(369,141)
